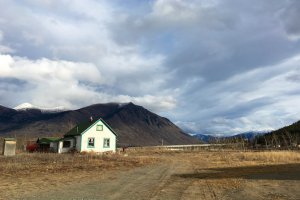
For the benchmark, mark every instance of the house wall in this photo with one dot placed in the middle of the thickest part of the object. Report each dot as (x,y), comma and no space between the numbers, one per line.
(54,146)
(99,136)
(78,142)
(61,149)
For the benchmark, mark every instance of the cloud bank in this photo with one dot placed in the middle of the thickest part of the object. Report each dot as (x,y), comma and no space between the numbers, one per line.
(48,82)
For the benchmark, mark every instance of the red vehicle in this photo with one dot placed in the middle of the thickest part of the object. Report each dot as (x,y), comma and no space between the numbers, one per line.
(32,147)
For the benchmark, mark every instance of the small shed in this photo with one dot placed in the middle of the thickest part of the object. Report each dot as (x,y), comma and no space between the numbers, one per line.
(9,147)
(48,144)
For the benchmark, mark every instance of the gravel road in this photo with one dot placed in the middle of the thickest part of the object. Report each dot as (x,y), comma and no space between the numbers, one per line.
(186,178)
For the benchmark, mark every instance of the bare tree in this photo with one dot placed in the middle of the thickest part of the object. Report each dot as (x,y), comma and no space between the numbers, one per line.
(285,140)
(266,142)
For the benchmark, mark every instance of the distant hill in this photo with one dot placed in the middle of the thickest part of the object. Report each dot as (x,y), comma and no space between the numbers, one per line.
(205,138)
(211,139)
(134,124)
(249,135)
(286,136)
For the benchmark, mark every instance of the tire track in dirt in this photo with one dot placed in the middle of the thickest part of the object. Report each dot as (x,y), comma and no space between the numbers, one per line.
(137,183)
(175,187)
(211,190)
(188,176)
(154,182)
(141,184)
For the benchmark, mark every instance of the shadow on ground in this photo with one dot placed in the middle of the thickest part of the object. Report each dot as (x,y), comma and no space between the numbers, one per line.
(267,172)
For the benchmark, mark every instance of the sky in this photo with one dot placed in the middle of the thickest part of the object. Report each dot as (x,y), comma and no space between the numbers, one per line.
(218,67)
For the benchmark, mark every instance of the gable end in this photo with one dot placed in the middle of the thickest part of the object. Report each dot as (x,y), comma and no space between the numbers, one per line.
(84,127)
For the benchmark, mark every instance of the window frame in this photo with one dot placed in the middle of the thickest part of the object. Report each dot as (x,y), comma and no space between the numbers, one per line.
(88,142)
(106,139)
(98,127)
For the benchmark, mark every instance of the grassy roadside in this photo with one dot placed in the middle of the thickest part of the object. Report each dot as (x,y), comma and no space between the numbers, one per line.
(27,163)
(50,162)
(27,174)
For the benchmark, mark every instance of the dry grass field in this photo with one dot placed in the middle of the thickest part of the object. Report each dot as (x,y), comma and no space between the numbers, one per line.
(152,174)
(25,173)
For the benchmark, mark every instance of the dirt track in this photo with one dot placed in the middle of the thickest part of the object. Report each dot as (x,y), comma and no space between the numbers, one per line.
(183,176)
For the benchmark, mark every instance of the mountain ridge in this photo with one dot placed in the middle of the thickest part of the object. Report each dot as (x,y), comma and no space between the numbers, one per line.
(285,136)
(249,135)
(135,125)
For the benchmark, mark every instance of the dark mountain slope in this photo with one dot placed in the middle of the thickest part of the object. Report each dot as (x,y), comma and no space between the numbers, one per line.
(249,136)
(134,124)
(205,138)
(286,136)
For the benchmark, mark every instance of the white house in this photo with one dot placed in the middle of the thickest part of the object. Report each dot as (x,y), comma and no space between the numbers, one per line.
(91,136)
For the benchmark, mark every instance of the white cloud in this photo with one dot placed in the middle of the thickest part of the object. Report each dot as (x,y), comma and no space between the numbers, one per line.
(190,14)
(167,10)
(259,100)
(59,83)
(48,70)
(73,48)
(207,62)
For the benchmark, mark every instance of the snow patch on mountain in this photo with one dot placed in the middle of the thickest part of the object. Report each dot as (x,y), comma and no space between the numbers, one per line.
(121,105)
(24,106)
(28,106)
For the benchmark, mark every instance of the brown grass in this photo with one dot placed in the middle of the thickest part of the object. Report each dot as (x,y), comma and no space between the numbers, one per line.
(27,163)
(231,157)
(271,156)
(257,158)
(28,173)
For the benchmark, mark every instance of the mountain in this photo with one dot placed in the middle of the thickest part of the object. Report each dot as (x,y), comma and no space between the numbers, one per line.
(134,124)
(205,138)
(286,136)
(248,135)
(211,139)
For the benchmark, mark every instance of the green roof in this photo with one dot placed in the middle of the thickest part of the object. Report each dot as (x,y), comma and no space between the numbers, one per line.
(80,128)
(47,140)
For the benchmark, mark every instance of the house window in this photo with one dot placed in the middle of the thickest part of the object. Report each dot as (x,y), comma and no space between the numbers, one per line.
(66,144)
(99,127)
(91,142)
(106,143)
